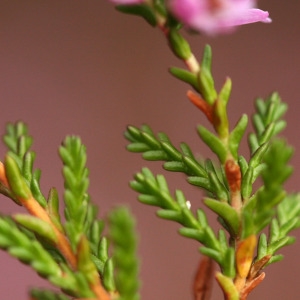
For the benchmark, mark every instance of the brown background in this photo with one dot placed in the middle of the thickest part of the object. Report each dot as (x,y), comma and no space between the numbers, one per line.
(79,67)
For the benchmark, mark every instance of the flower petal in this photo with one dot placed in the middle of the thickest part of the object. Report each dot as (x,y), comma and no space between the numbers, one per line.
(217,16)
(250,16)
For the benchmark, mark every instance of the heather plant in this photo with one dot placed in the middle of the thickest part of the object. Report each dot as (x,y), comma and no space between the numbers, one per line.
(89,257)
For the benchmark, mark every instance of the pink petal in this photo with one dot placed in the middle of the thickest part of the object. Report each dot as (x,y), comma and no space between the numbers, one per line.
(250,16)
(202,16)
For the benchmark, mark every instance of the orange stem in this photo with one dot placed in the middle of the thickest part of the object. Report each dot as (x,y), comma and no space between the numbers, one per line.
(35,209)
(201,104)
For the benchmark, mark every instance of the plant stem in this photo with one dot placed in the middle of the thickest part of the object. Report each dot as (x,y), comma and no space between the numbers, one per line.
(63,245)
(191,63)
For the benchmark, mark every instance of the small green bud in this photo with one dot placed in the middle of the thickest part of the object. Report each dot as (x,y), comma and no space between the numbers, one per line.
(179,45)
(15,179)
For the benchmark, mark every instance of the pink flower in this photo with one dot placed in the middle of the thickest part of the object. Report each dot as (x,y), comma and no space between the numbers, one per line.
(217,16)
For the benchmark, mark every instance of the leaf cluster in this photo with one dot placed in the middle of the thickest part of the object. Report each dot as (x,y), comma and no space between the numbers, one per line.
(260,209)
(268,206)
(124,240)
(74,254)
(204,175)
(154,191)
(19,143)
(268,123)
(287,219)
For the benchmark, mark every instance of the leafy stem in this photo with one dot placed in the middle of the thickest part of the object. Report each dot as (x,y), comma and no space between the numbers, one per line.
(243,212)
(33,207)
(20,182)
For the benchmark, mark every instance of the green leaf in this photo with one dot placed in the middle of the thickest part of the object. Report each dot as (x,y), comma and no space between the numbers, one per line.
(194,234)
(14,132)
(288,240)
(201,216)
(274,234)
(289,208)
(38,294)
(36,190)
(72,283)
(171,151)
(150,139)
(169,215)
(53,208)
(236,135)
(228,287)
(258,155)
(267,120)
(218,181)
(174,166)
(103,249)
(19,142)
(201,182)
(142,10)
(108,276)
(27,168)
(15,179)
(213,142)
(28,251)
(37,226)
(178,44)
(262,246)
(161,148)
(275,258)
(137,147)
(225,92)
(155,155)
(185,76)
(76,182)
(207,58)
(226,212)
(247,181)
(194,167)
(215,255)
(205,78)
(84,263)
(228,263)
(124,240)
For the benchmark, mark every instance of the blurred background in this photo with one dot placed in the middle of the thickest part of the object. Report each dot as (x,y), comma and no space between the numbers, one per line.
(79,67)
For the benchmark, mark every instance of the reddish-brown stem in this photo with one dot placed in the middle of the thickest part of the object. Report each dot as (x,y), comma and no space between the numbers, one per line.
(99,290)
(201,104)
(258,266)
(35,209)
(250,285)
(203,281)
(233,174)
